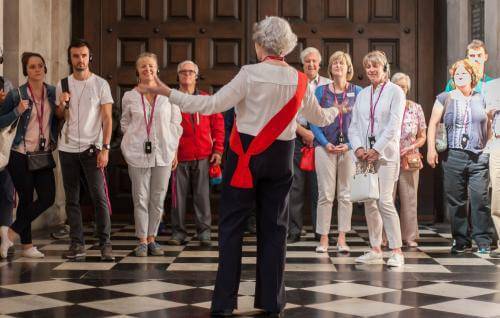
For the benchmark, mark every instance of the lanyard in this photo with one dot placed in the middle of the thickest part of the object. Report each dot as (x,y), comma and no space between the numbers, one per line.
(149,123)
(336,102)
(466,116)
(39,114)
(373,107)
(274,57)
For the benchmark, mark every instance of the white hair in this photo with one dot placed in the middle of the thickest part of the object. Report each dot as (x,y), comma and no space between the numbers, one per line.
(308,50)
(401,76)
(181,64)
(274,35)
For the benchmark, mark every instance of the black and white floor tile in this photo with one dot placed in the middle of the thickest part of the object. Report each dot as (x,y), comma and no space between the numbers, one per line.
(433,283)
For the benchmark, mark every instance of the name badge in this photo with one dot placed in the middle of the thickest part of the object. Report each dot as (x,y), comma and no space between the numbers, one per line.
(351,94)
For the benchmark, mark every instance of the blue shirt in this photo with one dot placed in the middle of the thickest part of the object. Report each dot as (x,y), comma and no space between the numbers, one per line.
(326,99)
(465,116)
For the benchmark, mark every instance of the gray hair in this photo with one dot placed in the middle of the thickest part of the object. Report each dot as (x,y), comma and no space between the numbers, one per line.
(401,76)
(307,51)
(274,35)
(181,64)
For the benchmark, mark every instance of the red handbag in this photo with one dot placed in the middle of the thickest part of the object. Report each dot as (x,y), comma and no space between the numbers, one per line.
(307,159)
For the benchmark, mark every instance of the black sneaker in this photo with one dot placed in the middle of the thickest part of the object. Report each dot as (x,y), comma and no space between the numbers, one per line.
(107,253)
(495,253)
(75,251)
(460,248)
(221,313)
(176,241)
(62,233)
(293,238)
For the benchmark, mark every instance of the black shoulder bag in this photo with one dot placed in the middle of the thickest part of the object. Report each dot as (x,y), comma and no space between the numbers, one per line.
(41,159)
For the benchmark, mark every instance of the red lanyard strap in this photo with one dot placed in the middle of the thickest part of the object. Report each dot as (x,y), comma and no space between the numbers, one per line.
(336,102)
(374,106)
(274,57)
(39,114)
(149,123)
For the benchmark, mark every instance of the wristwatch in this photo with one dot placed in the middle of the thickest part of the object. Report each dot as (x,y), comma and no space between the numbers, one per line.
(106,146)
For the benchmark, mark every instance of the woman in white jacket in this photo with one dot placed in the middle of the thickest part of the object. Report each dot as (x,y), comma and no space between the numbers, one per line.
(374,134)
(151,128)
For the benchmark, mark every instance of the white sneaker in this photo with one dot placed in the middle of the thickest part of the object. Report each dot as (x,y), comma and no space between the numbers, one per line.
(33,252)
(321,249)
(370,258)
(343,248)
(6,243)
(396,260)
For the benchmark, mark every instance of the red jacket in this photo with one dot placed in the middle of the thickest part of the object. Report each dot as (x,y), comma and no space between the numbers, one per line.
(202,135)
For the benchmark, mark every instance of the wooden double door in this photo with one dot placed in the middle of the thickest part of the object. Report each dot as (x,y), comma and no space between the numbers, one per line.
(217,35)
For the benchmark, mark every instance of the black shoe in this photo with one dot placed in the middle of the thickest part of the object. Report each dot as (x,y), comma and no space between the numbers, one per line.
(275,314)
(495,253)
(75,252)
(107,253)
(293,238)
(221,313)
(176,241)
(317,237)
(62,233)
(460,248)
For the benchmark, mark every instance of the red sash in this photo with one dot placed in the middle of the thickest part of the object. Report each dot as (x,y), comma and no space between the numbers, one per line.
(242,177)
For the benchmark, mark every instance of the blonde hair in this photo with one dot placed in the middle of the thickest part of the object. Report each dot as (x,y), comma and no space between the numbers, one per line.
(146,55)
(476,45)
(340,55)
(469,67)
(401,76)
(377,58)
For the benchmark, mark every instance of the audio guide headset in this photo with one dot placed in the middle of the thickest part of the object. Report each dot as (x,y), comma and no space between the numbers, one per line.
(25,57)
(76,43)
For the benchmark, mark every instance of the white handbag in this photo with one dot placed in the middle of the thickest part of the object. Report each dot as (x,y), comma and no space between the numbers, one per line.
(7,135)
(364,183)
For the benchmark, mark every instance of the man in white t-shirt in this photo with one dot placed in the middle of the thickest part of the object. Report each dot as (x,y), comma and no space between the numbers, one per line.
(86,105)
(492,95)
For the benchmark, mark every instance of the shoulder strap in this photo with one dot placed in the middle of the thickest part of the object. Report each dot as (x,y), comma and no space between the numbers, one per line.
(65,85)
(447,102)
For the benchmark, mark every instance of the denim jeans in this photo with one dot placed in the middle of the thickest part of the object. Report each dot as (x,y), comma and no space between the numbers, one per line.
(466,179)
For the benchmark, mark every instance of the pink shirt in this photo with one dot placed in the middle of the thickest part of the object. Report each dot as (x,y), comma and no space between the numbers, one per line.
(32,135)
(413,122)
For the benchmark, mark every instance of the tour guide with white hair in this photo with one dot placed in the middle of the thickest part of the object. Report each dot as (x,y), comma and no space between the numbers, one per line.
(267,96)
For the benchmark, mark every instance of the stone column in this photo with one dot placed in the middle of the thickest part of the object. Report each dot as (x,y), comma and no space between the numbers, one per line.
(492,31)
(42,26)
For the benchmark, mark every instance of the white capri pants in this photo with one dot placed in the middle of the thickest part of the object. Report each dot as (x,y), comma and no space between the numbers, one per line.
(382,212)
(149,189)
(333,171)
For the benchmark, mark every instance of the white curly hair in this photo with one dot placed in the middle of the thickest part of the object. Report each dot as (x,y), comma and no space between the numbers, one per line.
(274,35)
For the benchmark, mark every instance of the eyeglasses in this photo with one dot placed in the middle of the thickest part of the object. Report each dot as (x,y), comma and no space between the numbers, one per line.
(187,72)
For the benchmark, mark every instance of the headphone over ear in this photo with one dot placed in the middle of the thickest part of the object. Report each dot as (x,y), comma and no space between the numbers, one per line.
(79,43)
(25,57)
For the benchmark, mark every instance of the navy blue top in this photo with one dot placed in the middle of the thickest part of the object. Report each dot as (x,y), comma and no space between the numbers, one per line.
(326,99)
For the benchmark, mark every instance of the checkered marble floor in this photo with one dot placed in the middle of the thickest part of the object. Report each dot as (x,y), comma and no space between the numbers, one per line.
(433,283)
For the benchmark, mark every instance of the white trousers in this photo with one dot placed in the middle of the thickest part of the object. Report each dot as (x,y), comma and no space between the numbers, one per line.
(495,185)
(149,189)
(333,171)
(382,213)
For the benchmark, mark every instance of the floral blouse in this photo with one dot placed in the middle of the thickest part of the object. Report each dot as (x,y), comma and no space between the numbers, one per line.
(413,122)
